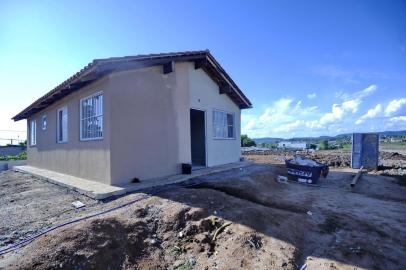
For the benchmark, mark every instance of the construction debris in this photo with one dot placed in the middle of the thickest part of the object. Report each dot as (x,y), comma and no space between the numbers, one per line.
(305,170)
(303,161)
(78,204)
(282,179)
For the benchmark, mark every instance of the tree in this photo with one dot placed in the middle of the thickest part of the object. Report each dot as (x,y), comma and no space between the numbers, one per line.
(246,141)
(324,145)
(313,146)
(23,144)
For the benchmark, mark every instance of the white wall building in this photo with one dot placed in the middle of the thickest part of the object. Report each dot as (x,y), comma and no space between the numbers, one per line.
(293,145)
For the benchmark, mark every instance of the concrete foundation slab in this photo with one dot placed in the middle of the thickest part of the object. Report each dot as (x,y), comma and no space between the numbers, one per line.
(101,191)
(179,178)
(86,187)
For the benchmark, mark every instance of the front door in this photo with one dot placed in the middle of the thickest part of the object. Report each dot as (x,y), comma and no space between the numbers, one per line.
(198,137)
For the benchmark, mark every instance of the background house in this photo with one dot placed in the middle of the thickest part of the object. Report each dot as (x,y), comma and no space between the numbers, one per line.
(293,145)
(137,117)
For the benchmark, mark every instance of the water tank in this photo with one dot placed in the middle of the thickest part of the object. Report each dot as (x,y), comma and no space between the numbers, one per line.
(365,150)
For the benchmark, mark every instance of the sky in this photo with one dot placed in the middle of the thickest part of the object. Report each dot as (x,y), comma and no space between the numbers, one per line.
(310,68)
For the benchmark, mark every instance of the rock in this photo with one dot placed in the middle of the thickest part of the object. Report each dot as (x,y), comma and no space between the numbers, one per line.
(178,263)
(191,261)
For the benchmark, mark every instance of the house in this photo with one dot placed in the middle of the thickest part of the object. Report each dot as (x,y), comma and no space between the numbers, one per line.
(137,117)
(293,145)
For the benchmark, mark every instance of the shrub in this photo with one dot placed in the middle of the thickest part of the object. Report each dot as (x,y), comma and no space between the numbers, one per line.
(246,141)
(21,156)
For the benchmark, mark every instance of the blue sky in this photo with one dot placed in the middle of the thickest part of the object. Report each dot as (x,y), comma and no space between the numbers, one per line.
(309,67)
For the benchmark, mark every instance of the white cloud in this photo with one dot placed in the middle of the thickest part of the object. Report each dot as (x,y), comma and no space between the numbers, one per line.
(313,124)
(289,126)
(371,113)
(370,89)
(352,101)
(394,106)
(339,111)
(351,105)
(277,111)
(283,116)
(359,94)
(311,95)
(287,117)
(398,119)
(336,114)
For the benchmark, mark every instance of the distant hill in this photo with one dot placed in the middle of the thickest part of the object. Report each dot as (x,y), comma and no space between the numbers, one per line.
(393,133)
(268,140)
(340,136)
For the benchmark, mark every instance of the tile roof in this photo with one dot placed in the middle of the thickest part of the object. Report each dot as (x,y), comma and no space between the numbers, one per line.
(102,67)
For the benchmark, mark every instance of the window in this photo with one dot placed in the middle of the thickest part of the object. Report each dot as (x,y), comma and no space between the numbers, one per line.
(223,125)
(33,132)
(62,125)
(91,117)
(44,122)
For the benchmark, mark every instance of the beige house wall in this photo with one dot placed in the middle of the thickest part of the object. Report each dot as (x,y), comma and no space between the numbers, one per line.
(182,111)
(146,127)
(204,95)
(148,124)
(86,159)
(150,134)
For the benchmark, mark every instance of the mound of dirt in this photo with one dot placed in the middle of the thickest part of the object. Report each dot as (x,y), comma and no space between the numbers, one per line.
(239,219)
(164,234)
(392,155)
(332,158)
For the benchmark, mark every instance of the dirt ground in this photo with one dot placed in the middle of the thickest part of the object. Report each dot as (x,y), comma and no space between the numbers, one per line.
(333,158)
(239,219)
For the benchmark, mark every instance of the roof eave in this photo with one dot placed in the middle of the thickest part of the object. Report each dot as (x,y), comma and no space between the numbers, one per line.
(101,67)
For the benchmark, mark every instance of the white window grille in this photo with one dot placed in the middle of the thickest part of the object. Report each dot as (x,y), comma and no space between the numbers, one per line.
(223,125)
(62,125)
(44,122)
(91,117)
(33,132)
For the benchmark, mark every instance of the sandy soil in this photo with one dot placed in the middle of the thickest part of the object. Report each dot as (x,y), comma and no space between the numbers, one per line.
(260,224)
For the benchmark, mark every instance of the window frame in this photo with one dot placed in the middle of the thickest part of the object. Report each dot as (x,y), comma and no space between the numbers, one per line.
(44,127)
(58,127)
(81,116)
(227,125)
(35,132)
